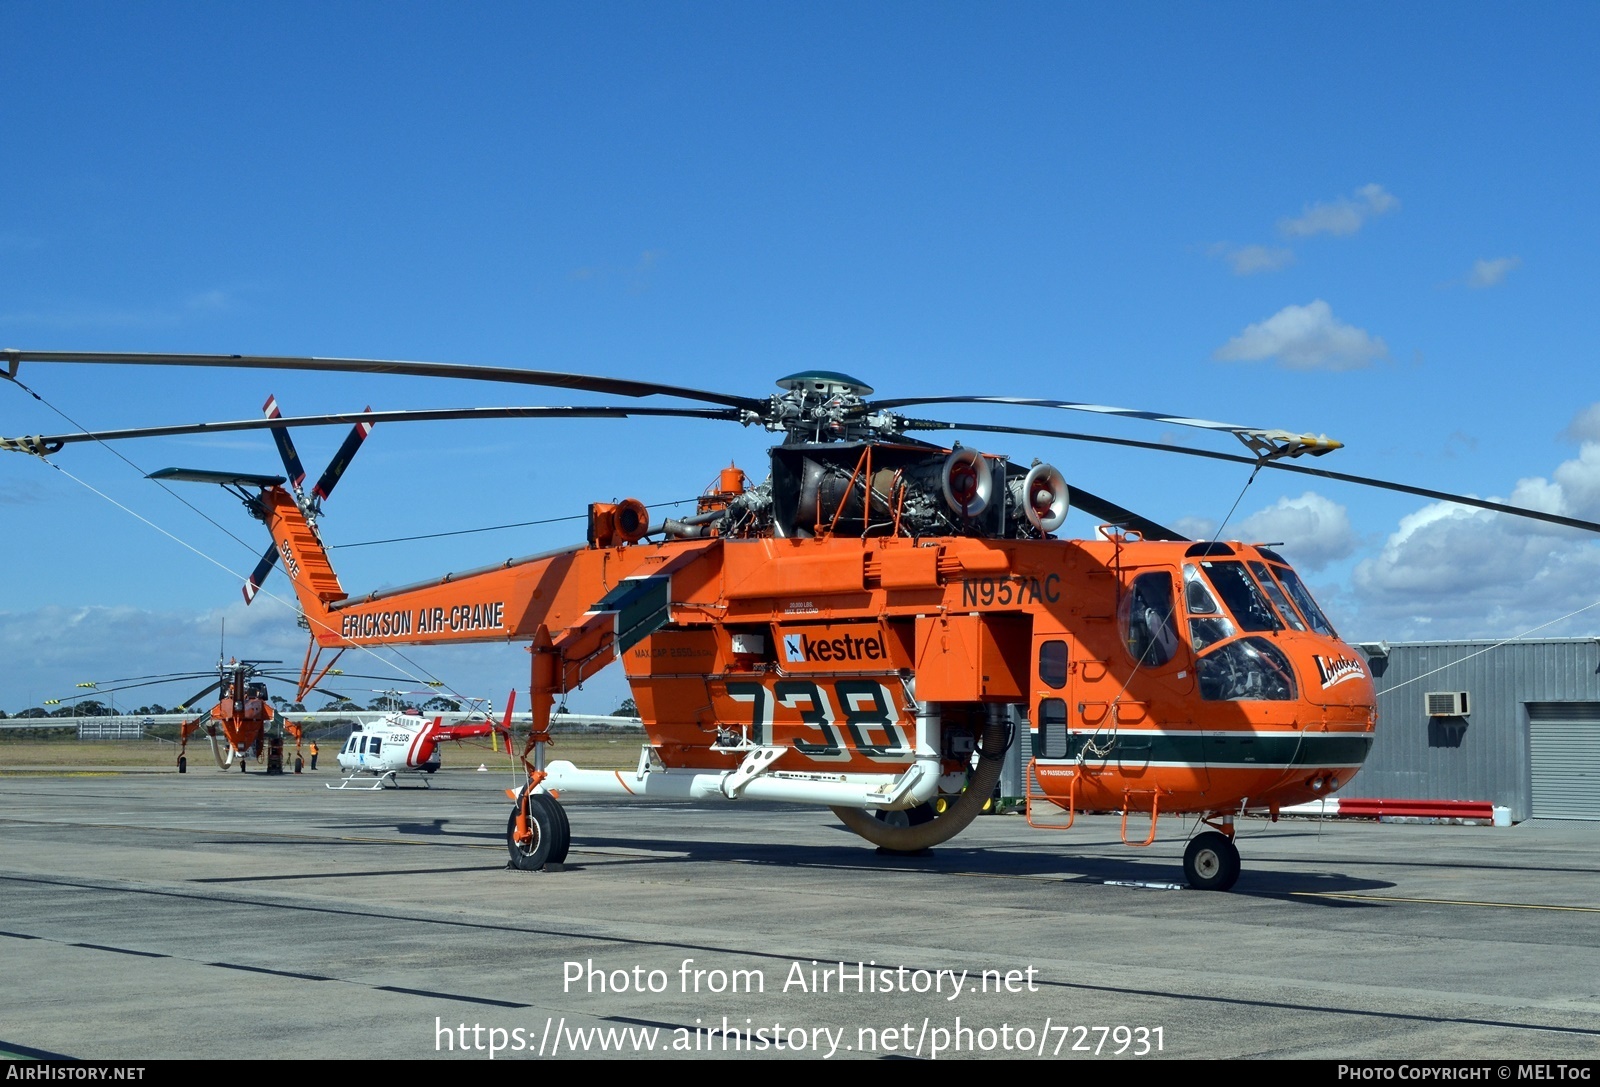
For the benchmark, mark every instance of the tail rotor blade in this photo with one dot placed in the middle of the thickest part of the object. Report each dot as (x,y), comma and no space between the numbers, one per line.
(268,560)
(286,450)
(341,459)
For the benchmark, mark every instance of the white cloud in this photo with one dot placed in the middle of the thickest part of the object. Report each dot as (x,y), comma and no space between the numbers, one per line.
(1248,260)
(19,493)
(1305,338)
(209,301)
(1490,273)
(1451,571)
(74,315)
(1196,528)
(1585,426)
(637,276)
(50,650)
(1311,531)
(1579,481)
(1342,216)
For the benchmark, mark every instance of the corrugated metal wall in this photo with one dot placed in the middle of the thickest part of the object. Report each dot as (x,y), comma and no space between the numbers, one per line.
(1484,755)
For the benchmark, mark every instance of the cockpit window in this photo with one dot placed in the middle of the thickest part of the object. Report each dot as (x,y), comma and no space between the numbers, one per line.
(1272,590)
(1149,629)
(1246,670)
(1249,607)
(1302,596)
(1208,624)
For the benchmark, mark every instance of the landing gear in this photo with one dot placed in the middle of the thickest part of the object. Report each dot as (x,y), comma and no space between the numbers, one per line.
(549,834)
(1211,862)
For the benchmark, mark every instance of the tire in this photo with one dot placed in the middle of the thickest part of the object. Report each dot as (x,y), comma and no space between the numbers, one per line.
(532,855)
(183,764)
(1211,862)
(910,817)
(563,837)
(929,827)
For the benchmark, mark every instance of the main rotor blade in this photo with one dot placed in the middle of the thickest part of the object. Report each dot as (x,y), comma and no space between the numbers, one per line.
(45,444)
(1364,481)
(1108,512)
(1276,443)
(341,459)
(188,703)
(135,682)
(286,450)
(615,386)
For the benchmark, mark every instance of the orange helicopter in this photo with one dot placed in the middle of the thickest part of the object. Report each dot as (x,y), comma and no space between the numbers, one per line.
(857,630)
(243,725)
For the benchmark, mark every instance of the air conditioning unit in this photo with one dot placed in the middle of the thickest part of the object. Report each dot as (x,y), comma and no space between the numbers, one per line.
(1445,703)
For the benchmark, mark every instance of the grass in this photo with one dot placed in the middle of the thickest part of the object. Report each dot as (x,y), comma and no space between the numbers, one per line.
(34,756)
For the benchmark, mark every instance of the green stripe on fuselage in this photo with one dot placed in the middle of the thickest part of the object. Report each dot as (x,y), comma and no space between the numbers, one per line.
(1222,749)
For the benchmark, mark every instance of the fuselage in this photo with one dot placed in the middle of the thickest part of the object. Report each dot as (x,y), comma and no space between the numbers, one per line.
(1154,675)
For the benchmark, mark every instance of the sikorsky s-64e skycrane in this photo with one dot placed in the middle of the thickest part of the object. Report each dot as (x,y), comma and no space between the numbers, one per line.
(859,629)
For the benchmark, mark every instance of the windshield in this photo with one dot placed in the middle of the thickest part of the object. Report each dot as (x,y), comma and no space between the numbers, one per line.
(1207,623)
(1272,590)
(1302,596)
(1239,592)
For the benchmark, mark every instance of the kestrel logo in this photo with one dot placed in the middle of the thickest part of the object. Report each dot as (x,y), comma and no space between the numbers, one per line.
(798,648)
(1333,670)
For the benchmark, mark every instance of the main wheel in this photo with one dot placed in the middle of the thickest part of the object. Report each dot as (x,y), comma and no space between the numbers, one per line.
(1211,862)
(531,855)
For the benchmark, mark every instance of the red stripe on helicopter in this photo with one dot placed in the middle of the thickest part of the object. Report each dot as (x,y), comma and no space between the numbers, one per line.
(412,749)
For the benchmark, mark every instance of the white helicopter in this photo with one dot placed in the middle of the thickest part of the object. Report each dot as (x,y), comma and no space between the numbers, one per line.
(405,742)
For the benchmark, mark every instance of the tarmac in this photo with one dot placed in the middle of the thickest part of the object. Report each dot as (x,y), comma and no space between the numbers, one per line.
(222,916)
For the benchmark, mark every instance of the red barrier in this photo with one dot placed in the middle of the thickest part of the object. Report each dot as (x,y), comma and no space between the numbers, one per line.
(1419,809)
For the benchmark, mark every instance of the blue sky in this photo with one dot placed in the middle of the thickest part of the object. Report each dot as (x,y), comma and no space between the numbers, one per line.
(1374,221)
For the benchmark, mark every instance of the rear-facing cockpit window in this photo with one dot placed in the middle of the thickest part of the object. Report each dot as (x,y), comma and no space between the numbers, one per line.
(1149,628)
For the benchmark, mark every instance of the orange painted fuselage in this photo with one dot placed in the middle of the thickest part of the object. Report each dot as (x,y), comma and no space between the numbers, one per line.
(1143,692)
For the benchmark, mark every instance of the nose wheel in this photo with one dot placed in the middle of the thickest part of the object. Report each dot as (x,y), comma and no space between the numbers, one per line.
(549,834)
(1211,862)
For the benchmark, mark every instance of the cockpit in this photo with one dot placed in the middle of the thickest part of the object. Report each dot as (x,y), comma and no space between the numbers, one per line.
(1233,603)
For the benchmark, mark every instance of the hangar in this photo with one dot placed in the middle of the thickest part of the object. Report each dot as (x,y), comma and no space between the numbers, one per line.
(1516,723)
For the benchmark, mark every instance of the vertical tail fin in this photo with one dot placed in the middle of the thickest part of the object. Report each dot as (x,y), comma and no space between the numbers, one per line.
(304,559)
